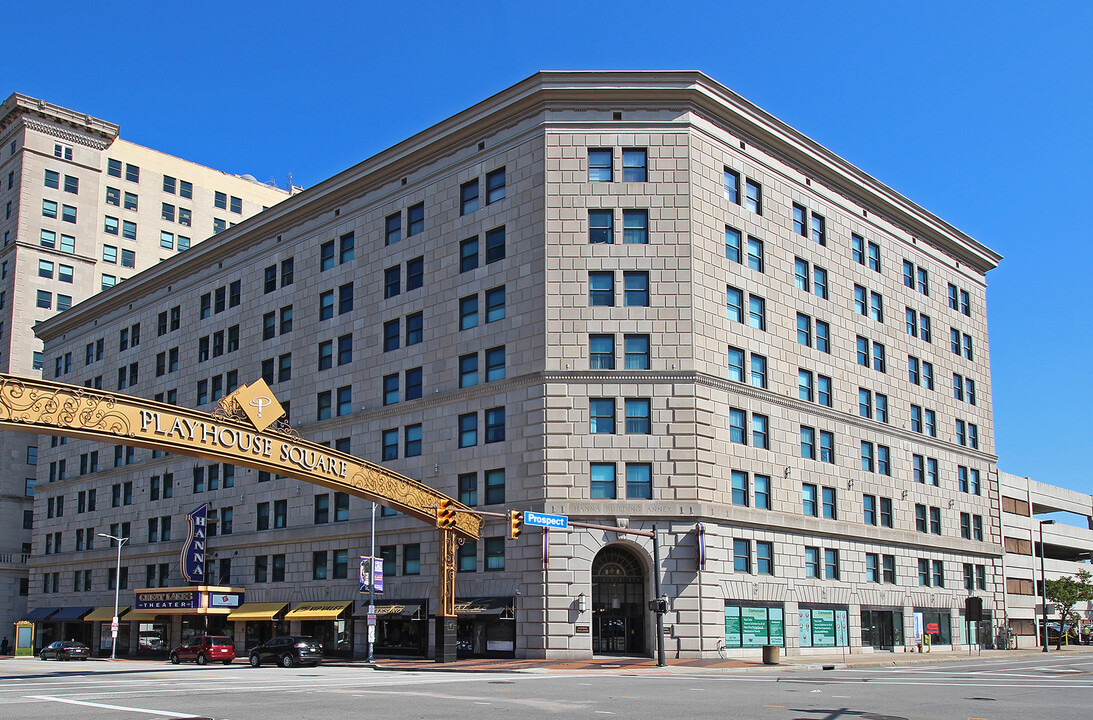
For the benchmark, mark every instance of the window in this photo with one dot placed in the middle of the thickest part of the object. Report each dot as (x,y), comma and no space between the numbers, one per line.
(819,282)
(468,430)
(495,425)
(741,554)
(732,186)
(734,303)
(411,559)
(757,314)
(495,304)
(808,499)
(415,329)
(345,298)
(393,229)
(495,245)
(346,247)
(800,220)
(468,254)
(635,227)
(495,365)
(412,445)
(638,413)
(636,348)
(389,445)
(599,165)
(639,481)
(600,227)
(326,255)
(602,481)
(495,186)
(415,219)
(634,165)
(733,250)
(468,312)
(812,562)
(755,253)
(740,493)
(415,273)
(130,201)
(391,335)
(636,289)
(602,415)
(831,564)
(495,486)
(467,557)
(601,352)
(801,274)
(754,196)
(128,230)
(345,400)
(830,507)
(819,230)
(738,426)
(323,405)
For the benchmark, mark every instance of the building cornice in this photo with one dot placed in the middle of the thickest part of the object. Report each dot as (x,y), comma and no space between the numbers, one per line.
(23,106)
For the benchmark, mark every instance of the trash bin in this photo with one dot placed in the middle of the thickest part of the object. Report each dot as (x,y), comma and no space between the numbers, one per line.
(771,654)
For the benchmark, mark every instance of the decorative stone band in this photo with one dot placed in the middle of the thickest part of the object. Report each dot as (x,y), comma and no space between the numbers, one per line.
(52,408)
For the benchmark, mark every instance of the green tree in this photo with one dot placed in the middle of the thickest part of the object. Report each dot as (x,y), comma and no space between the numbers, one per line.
(1066,592)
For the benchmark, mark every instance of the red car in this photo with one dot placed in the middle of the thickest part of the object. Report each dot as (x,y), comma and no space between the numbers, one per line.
(205,648)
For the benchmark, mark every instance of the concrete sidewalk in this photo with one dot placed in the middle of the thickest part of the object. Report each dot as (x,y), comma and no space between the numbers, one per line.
(627,665)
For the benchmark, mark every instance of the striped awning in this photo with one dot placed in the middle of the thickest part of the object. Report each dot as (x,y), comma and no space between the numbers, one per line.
(105,613)
(257,611)
(318,610)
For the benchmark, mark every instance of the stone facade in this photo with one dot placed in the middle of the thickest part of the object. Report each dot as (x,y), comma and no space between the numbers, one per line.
(83,209)
(580,226)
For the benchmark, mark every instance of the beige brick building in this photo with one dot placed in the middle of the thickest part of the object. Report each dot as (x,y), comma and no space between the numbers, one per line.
(83,210)
(631,298)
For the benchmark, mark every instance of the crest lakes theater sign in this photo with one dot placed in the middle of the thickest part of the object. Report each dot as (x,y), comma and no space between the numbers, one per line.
(247,430)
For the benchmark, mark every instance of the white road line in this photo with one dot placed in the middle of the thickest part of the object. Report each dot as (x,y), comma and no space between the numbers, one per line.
(113,707)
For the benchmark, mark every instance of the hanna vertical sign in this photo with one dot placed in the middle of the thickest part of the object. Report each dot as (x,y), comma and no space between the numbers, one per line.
(192,563)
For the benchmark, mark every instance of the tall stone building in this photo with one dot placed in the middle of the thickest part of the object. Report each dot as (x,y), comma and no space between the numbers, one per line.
(83,210)
(631,298)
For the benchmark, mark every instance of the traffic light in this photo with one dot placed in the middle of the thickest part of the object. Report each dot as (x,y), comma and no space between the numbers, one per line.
(445,516)
(516,519)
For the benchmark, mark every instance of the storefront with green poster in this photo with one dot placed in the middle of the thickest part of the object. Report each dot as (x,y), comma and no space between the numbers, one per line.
(823,626)
(754,624)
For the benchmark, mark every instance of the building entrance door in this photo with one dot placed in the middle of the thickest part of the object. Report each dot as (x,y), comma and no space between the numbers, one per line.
(882,629)
(618,602)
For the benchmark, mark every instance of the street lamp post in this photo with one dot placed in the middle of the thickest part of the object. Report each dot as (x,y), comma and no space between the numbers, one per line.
(1043,581)
(117,591)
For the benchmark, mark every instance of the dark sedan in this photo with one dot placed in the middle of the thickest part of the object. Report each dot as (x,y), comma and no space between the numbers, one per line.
(65,650)
(287,651)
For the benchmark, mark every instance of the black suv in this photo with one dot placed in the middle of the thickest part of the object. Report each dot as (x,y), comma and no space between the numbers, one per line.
(287,651)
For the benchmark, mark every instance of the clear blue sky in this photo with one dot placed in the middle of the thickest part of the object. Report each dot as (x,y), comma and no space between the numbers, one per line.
(981,112)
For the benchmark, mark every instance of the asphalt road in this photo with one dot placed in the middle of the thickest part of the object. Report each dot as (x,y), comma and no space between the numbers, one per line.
(1055,687)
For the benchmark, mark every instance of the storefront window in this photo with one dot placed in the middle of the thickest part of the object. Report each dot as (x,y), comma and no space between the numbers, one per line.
(153,639)
(749,626)
(823,627)
(936,625)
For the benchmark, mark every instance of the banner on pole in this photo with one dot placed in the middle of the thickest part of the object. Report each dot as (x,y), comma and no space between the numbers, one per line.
(367,575)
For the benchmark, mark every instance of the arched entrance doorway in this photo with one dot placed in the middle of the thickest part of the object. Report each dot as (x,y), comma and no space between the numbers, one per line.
(618,602)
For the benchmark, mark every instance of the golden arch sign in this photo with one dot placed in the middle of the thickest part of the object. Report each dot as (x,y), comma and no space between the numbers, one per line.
(242,431)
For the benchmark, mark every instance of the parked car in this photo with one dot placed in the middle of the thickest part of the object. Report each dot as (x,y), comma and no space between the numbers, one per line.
(205,648)
(288,650)
(65,650)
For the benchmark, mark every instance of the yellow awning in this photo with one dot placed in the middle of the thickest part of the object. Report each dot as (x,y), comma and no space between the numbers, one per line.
(257,611)
(137,617)
(105,613)
(318,610)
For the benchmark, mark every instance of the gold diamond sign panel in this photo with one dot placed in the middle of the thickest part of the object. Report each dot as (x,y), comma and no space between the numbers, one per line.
(258,404)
